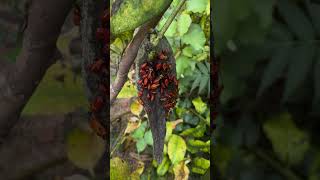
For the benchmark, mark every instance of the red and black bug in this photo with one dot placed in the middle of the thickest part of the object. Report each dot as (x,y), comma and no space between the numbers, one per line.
(76,15)
(97,104)
(97,127)
(97,66)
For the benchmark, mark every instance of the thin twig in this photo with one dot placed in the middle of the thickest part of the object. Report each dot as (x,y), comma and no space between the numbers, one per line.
(168,22)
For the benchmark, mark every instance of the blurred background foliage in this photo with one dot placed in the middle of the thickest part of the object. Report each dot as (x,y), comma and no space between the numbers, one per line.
(187,143)
(270,105)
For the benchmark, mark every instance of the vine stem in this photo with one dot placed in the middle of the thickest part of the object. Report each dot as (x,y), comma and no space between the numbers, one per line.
(168,22)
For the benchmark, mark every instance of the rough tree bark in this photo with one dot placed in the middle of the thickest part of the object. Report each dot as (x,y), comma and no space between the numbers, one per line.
(37,144)
(19,80)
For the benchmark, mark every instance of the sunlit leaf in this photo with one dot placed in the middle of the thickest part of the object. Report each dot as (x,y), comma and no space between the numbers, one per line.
(148,138)
(139,133)
(141,145)
(200,165)
(135,175)
(119,169)
(163,167)
(184,22)
(200,106)
(176,148)
(194,37)
(170,126)
(197,5)
(136,108)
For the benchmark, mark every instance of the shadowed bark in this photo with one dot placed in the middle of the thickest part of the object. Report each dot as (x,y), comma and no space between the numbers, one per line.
(18,81)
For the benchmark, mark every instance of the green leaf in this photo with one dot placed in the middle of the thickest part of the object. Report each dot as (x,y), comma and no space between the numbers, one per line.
(182,63)
(197,5)
(84,149)
(274,69)
(187,51)
(138,133)
(169,128)
(190,119)
(184,22)
(200,165)
(200,106)
(141,145)
(119,169)
(195,146)
(172,30)
(194,37)
(163,167)
(196,132)
(133,13)
(204,82)
(203,68)
(196,82)
(296,20)
(288,142)
(176,148)
(301,62)
(148,138)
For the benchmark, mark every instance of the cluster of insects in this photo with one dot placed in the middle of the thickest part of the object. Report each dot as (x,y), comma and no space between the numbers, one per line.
(156,80)
(99,69)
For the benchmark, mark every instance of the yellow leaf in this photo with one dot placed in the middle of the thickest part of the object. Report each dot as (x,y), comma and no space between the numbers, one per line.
(181,171)
(84,149)
(133,124)
(136,108)
(135,175)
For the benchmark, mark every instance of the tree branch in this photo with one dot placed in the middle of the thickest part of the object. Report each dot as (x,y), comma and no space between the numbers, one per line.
(18,82)
(129,57)
(37,144)
(33,145)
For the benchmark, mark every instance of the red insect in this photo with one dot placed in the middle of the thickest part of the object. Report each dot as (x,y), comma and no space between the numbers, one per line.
(162,56)
(140,101)
(102,34)
(97,66)
(97,127)
(166,82)
(145,81)
(140,93)
(103,89)
(105,17)
(144,65)
(76,15)
(158,66)
(97,104)
(154,86)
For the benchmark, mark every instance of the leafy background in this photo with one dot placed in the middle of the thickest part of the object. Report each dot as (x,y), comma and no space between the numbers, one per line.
(269,113)
(187,143)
